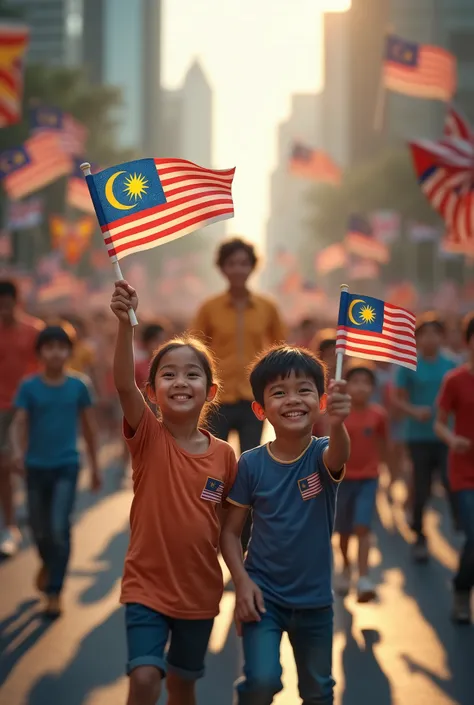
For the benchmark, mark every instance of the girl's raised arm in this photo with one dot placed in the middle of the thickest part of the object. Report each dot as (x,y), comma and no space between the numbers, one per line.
(131,399)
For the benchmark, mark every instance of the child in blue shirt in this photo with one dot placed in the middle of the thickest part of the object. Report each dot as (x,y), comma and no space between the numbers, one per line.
(49,407)
(290,485)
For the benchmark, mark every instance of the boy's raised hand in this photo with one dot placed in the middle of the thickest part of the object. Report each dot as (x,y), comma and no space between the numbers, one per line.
(124,298)
(338,402)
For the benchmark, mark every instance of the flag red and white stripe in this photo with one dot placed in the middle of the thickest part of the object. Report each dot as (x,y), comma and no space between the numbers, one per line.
(46,162)
(310,486)
(331,258)
(396,343)
(434,76)
(13,45)
(195,197)
(77,194)
(457,126)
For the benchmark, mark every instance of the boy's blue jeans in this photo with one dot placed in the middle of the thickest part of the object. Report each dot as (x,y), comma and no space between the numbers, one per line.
(464,580)
(310,633)
(51,495)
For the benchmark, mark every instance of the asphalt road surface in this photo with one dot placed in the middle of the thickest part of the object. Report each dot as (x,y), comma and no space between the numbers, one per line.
(402,650)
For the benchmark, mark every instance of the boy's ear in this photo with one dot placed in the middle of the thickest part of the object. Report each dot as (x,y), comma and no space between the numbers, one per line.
(259,411)
(323,402)
(211,395)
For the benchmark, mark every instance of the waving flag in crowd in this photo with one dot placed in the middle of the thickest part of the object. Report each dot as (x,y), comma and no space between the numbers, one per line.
(372,329)
(313,164)
(419,70)
(13,46)
(445,170)
(148,202)
(77,192)
(72,133)
(37,163)
(360,241)
(71,237)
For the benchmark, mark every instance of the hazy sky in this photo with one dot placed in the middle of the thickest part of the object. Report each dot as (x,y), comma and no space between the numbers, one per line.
(256,54)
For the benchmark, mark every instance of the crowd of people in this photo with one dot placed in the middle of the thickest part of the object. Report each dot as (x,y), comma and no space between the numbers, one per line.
(174,399)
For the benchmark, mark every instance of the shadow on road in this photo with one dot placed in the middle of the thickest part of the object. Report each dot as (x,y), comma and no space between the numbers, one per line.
(365,680)
(98,662)
(18,633)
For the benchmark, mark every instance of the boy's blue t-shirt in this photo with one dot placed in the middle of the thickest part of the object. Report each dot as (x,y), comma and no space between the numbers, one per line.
(423,387)
(53,419)
(289,554)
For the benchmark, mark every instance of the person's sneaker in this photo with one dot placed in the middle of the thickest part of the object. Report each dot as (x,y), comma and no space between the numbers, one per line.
(461,611)
(420,550)
(53,607)
(342,582)
(10,540)
(365,589)
(42,578)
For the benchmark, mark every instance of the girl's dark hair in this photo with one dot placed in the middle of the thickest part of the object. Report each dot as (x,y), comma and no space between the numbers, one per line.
(430,319)
(203,354)
(361,369)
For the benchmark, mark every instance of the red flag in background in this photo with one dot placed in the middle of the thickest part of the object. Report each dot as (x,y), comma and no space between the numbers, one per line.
(13,46)
(72,238)
(313,164)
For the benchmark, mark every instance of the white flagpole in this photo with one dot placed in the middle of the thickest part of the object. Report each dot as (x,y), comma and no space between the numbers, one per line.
(86,170)
(340,354)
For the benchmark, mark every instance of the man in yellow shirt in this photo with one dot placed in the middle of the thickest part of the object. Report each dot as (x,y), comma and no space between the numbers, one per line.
(237,325)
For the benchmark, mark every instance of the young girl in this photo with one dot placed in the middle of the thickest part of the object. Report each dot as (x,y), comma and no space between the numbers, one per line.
(172,582)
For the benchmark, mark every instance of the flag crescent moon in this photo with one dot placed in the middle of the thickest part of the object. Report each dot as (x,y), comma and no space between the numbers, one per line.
(110,196)
(350,315)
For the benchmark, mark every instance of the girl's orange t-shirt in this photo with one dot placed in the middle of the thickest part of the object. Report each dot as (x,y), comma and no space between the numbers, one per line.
(172,563)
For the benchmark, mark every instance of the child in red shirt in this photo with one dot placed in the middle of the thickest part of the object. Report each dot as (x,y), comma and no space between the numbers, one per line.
(456,399)
(368,430)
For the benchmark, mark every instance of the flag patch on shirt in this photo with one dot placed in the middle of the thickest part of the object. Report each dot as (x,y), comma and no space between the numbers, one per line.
(213,490)
(310,486)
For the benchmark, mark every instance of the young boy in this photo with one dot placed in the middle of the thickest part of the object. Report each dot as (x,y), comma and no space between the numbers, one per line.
(457,399)
(291,486)
(415,396)
(368,430)
(49,407)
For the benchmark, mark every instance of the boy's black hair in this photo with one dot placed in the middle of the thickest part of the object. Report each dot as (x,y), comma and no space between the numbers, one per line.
(430,319)
(152,330)
(8,288)
(53,334)
(229,247)
(279,361)
(468,327)
(364,369)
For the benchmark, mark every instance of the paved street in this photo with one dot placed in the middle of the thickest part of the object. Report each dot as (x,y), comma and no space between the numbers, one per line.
(401,651)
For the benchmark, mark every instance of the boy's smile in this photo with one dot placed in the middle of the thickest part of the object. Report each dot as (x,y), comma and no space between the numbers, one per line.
(292,403)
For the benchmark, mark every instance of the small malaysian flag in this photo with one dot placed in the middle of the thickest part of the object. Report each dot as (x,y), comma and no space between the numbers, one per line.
(213,490)
(23,215)
(72,133)
(34,165)
(310,486)
(148,202)
(360,241)
(14,44)
(372,329)
(419,70)
(313,164)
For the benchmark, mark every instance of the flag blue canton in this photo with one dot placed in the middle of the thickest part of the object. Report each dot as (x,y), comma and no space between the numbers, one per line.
(125,190)
(402,52)
(213,490)
(46,117)
(359,224)
(13,159)
(363,313)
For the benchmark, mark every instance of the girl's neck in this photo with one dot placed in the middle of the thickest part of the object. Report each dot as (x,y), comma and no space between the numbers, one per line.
(240,294)
(183,431)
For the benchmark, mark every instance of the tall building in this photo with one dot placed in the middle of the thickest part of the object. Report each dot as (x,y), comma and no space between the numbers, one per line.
(353,46)
(287,227)
(56,28)
(449,24)
(131,42)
